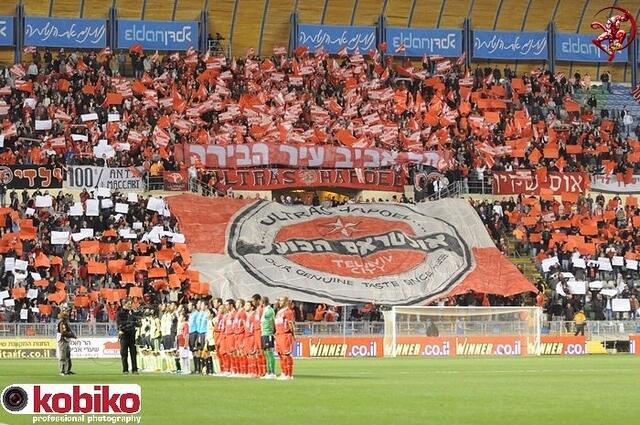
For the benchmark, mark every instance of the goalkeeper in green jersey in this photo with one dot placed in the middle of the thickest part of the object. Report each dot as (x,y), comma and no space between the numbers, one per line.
(268,326)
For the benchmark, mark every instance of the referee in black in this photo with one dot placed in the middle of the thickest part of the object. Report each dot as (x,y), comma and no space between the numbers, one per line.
(126,322)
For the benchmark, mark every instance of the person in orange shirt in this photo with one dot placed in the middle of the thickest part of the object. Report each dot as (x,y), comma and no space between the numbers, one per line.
(240,359)
(319,314)
(285,338)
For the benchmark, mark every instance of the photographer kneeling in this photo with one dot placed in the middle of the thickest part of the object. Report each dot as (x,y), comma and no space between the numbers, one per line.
(127,321)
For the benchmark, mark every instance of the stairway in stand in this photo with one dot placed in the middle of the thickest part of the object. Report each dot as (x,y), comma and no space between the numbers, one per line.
(523,261)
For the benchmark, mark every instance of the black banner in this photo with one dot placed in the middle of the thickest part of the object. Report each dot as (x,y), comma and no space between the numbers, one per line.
(31,176)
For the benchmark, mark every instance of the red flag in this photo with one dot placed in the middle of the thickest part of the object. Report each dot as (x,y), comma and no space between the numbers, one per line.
(136,48)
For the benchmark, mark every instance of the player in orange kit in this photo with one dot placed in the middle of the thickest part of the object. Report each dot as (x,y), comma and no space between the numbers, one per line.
(250,349)
(261,362)
(284,338)
(228,338)
(238,341)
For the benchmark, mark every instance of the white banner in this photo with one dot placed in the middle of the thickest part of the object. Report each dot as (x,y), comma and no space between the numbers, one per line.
(95,348)
(610,184)
(90,177)
(356,253)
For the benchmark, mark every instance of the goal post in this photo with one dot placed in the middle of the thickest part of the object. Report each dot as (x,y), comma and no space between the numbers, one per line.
(462,331)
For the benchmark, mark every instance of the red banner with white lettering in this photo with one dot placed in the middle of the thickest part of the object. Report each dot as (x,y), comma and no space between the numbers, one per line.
(302,156)
(530,184)
(272,179)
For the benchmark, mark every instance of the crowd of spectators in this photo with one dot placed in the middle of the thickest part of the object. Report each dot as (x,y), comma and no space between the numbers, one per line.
(482,120)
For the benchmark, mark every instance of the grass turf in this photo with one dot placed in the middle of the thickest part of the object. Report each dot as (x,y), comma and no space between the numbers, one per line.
(529,390)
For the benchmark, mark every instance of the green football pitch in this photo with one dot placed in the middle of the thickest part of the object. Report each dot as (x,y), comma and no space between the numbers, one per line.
(532,390)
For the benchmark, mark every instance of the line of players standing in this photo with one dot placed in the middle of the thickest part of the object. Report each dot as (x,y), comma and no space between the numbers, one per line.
(235,338)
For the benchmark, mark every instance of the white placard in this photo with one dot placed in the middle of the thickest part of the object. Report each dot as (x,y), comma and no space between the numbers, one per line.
(559,290)
(620,304)
(113,117)
(42,125)
(1,140)
(35,276)
(107,203)
(568,275)
(20,276)
(32,293)
(79,138)
(9,302)
(617,261)
(77,237)
(178,238)
(137,225)
(609,292)
(3,295)
(59,238)
(9,264)
(29,212)
(605,264)
(30,103)
(44,201)
(87,232)
(132,197)
(632,264)
(103,149)
(577,287)
(76,210)
(24,313)
(89,117)
(122,208)
(103,192)
(547,263)
(579,263)
(127,234)
(93,208)
(155,204)
(21,265)
(596,284)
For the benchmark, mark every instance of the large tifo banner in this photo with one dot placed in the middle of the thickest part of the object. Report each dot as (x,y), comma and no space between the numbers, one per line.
(579,48)
(158,35)
(418,42)
(91,177)
(334,38)
(273,179)
(6,30)
(510,45)
(610,184)
(31,176)
(384,253)
(63,32)
(300,156)
(505,183)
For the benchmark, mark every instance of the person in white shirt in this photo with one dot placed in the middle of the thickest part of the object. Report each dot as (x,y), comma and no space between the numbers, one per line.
(627,120)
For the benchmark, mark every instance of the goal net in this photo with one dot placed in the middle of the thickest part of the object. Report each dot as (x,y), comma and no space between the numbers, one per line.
(462,331)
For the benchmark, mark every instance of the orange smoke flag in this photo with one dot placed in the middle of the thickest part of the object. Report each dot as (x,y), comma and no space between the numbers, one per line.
(588,230)
(165,254)
(138,87)
(81,301)
(113,99)
(123,246)
(535,156)
(116,266)
(345,137)
(42,261)
(517,84)
(45,309)
(63,85)
(96,267)
(571,106)
(157,272)
(551,151)
(89,247)
(17,293)
(135,292)
(492,117)
(136,48)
